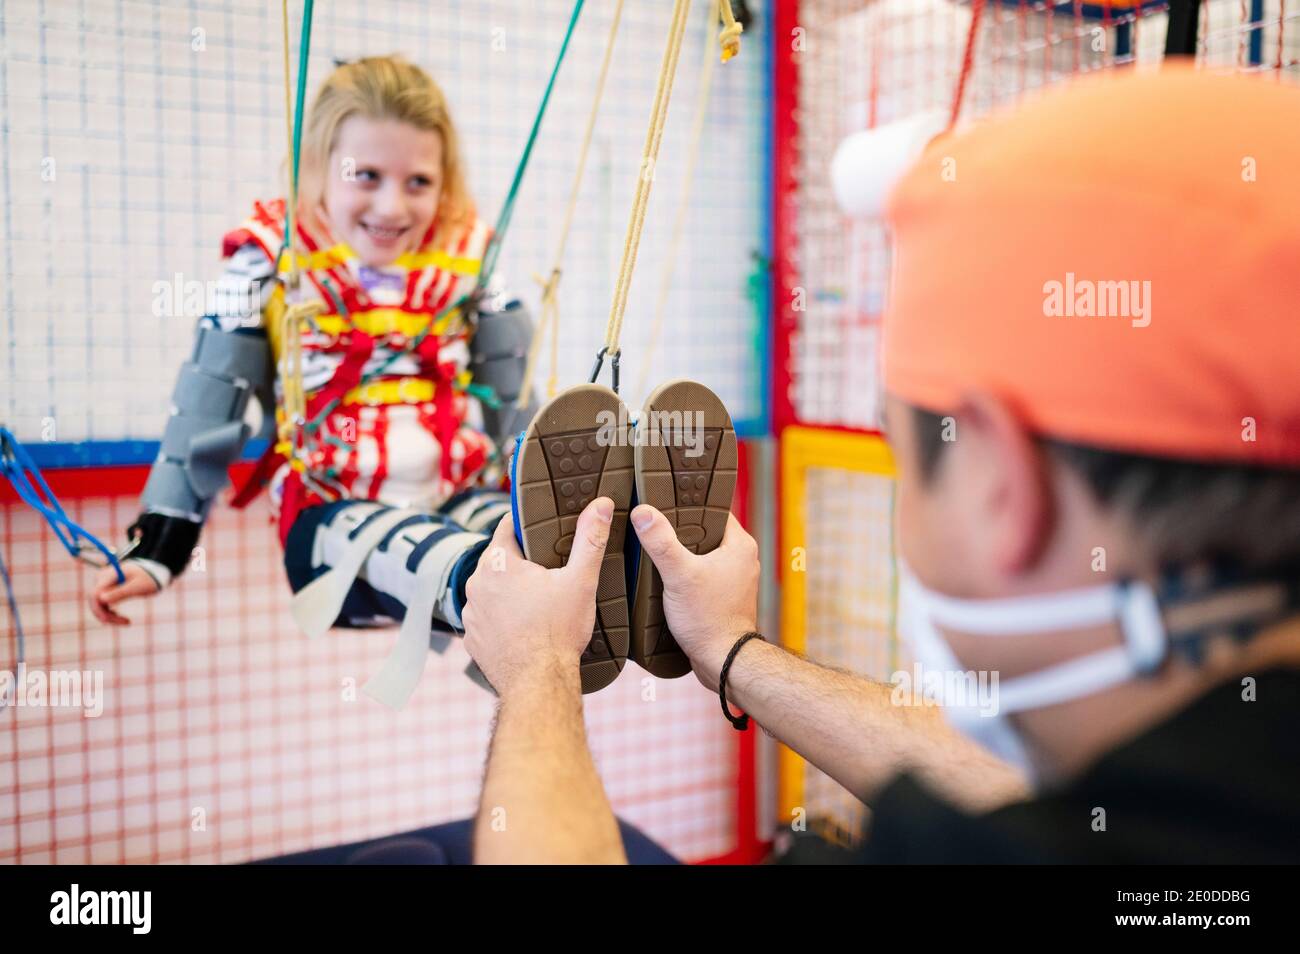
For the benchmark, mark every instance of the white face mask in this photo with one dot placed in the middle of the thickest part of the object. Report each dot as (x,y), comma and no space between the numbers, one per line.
(1132,605)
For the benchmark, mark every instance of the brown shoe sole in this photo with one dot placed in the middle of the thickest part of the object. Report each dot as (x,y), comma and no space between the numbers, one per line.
(690,485)
(567,460)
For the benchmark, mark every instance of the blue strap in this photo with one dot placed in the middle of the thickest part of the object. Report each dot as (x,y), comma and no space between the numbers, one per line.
(16,465)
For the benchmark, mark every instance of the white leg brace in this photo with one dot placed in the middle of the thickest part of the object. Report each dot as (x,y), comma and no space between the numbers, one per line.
(481,511)
(390,548)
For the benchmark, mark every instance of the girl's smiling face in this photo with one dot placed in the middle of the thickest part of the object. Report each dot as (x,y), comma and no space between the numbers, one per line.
(382,189)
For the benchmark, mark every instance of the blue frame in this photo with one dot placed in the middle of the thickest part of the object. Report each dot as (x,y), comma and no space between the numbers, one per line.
(1095,11)
(761,426)
(62,454)
(1257,34)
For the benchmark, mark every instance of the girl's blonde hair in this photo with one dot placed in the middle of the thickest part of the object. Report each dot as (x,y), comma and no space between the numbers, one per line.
(382,87)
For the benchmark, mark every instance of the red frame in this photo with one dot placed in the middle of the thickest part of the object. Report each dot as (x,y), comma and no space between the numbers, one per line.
(785,100)
(83,482)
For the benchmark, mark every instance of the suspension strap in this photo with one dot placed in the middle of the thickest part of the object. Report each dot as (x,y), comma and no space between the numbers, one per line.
(729,39)
(293,128)
(684,203)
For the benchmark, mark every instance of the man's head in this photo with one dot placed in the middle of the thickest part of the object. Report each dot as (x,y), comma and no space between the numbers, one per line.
(986,508)
(1092,359)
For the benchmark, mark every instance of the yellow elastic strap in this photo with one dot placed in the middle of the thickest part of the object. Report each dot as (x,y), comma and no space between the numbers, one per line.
(381,321)
(392,391)
(461,265)
(342,253)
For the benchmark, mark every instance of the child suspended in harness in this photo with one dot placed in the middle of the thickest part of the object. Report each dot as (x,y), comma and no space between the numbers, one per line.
(398,373)
(385,406)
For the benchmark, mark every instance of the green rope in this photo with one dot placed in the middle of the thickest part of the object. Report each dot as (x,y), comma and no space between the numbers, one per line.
(304,47)
(493,250)
(339,306)
(507,210)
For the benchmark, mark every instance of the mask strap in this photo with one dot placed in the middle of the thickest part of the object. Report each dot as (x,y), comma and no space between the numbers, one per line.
(1066,681)
(1179,619)
(1221,602)
(1145,638)
(1019,615)
(1131,603)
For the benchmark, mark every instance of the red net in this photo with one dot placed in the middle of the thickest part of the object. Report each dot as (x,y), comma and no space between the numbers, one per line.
(226,735)
(848,66)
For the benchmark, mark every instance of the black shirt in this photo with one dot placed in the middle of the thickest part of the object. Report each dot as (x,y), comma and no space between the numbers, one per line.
(1219,782)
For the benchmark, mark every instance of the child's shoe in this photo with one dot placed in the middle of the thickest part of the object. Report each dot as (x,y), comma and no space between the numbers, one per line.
(685,468)
(578,447)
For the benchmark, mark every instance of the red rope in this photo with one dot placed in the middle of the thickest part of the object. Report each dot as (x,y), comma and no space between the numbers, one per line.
(977,10)
(1281,28)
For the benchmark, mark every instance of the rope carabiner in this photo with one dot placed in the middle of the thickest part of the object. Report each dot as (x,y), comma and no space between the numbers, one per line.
(600,362)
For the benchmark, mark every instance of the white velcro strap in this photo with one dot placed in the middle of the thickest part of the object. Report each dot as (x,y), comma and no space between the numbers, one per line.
(401,671)
(317,605)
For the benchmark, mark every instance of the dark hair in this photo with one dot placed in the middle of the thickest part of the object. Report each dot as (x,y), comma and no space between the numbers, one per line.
(1187,510)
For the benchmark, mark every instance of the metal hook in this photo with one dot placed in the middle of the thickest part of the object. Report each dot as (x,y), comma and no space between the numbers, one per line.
(614,365)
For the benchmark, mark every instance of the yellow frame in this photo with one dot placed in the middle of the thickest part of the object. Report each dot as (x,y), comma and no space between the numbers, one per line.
(802,448)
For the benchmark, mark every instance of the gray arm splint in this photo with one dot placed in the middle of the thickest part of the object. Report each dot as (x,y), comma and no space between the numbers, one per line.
(206,431)
(498,354)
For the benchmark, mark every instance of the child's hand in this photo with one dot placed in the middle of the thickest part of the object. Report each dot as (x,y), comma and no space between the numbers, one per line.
(109,592)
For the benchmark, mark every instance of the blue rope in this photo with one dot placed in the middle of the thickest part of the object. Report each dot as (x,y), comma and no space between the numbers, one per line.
(16,465)
(13,608)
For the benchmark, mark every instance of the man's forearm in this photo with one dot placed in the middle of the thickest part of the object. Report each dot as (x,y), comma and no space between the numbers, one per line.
(850,728)
(542,800)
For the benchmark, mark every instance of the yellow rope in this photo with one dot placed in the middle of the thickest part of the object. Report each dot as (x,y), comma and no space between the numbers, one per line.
(650,155)
(550,317)
(684,204)
(548,322)
(729,39)
(294,396)
(288,135)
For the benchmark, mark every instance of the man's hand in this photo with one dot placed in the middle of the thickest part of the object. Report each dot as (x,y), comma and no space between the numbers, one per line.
(108,592)
(524,622)
(710,600)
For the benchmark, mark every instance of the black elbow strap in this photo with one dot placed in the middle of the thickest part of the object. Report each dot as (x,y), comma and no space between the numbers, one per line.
(165,539)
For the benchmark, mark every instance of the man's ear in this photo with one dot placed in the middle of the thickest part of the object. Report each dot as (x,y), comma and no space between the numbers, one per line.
(1013,495)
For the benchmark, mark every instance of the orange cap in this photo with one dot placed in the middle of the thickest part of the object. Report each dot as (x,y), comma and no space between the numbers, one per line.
(1119,260)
